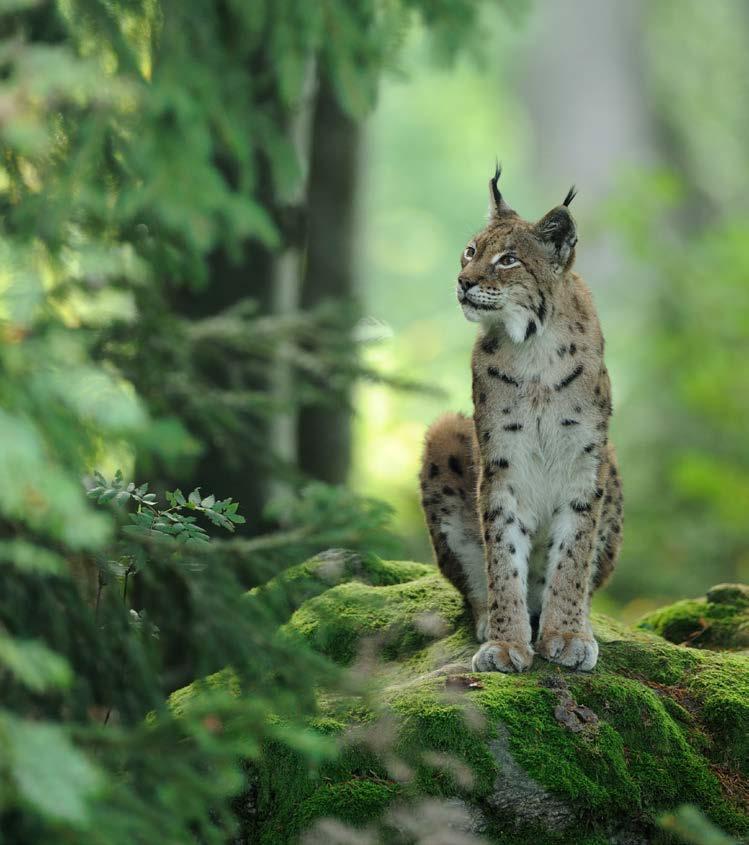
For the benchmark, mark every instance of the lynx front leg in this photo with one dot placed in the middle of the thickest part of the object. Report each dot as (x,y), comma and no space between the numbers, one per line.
(565,634)
(508,647)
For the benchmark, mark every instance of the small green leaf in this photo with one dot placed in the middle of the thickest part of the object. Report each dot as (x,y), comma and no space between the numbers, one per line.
(33,664)
(49,772)
(28,556)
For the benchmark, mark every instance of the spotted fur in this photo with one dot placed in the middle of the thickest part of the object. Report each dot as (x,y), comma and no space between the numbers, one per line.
(524,501)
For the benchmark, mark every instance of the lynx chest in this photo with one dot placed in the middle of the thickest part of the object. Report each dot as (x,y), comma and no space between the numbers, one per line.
(532,410)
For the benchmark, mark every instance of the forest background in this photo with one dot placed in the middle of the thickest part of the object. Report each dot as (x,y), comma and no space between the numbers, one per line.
(229,241)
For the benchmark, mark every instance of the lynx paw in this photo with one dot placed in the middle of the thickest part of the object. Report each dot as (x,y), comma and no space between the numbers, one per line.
(574,649)
(502,656)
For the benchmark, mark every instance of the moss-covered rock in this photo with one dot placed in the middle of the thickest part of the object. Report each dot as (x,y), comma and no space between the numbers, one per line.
(403,617)
(720,620)
(548,756)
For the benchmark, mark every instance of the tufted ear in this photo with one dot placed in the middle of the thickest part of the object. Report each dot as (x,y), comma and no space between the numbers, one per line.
(497,204)
(557,231)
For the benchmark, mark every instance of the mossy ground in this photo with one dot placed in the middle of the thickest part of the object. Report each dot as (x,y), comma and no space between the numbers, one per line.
(720,620)
(672,722)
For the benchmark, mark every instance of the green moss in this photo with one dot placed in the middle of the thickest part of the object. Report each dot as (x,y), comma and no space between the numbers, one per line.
(439,740)
(504,834)
(290,793)
(721,688)
(575,766)
(718,621)
(651,660)
(457,647)
(403,616)
(282,781)
(289,589)
(653,765)
(735,594)
(223,681)
(637,762)
(355,802)
(669,717)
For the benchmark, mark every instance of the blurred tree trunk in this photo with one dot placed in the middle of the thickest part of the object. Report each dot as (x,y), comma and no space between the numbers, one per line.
(287,284)
(324,433)
(217,471)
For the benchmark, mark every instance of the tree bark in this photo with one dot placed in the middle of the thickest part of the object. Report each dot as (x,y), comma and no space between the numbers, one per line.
(324,433)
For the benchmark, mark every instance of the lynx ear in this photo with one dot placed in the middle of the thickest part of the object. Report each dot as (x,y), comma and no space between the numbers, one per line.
(557,231)
(497,204)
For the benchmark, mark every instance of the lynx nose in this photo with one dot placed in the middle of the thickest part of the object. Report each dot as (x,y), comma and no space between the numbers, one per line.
(466,283)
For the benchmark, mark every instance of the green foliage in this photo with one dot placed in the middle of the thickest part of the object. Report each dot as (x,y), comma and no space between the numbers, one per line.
(95,672)
(140,140)
(33,664)
(46,771)
(687,489)
(690,825)
(150,521)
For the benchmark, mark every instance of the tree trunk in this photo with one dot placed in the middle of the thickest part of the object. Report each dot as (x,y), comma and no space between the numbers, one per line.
(324,433)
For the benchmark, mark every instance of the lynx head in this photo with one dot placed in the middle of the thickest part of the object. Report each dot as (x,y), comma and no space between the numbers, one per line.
(509,270)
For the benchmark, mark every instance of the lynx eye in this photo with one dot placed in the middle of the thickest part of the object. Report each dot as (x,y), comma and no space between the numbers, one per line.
(469,252)
(507,260)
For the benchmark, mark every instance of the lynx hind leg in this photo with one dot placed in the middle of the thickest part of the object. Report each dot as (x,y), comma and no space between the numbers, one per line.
(448,497)
(609,535)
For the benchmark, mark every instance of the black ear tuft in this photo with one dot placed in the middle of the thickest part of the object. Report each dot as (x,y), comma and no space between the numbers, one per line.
(571,194)
(497,206)
(496,195)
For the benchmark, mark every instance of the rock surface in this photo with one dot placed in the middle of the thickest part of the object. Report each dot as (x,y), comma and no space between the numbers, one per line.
(442,754)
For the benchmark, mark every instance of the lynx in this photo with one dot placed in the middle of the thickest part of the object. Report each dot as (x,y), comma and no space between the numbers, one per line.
(523,502)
